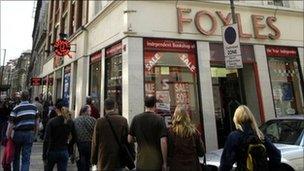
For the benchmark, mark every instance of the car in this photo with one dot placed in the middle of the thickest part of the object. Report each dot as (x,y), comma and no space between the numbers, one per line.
(287,134)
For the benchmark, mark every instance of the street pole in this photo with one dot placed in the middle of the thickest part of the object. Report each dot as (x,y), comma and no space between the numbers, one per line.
(3,66)
(240,70)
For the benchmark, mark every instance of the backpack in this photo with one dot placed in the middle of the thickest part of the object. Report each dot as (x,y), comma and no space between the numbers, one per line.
(254,156)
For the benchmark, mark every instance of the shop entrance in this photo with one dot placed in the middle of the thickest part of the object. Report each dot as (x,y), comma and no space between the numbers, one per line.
(227,97)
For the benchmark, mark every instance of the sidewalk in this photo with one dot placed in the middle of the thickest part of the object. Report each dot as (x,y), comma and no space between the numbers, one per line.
(36,159)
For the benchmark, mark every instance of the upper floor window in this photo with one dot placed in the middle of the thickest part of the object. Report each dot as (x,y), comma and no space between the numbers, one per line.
(282,3)
(98,6)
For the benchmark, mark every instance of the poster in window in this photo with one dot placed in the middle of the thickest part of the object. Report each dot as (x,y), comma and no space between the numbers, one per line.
(66,88)
(163,100)
(287,92)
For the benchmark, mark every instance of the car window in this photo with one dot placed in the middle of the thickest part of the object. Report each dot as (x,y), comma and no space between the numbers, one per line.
(284,131)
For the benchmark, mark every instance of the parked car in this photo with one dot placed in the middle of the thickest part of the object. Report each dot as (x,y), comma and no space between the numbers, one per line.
(287,134)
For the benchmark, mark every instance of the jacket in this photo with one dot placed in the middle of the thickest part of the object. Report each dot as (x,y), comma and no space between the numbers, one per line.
(105,149)
(232,150)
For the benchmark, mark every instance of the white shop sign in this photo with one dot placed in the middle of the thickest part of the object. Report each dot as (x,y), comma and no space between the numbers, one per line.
(232,48)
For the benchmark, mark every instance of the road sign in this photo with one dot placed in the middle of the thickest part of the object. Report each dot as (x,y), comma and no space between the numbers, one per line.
(232,48)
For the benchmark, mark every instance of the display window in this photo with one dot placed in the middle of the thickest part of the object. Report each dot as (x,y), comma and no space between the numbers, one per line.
(171,76)
(66,84)
(95,78)
(113,75)
(284,71)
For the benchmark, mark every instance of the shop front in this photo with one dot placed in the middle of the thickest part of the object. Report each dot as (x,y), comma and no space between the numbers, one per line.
(232,88)
(286,80)
(170,69)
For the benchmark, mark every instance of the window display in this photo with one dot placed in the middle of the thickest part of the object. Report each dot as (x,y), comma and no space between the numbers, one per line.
(285,80)
(95,78)
(171,75)
(113,79)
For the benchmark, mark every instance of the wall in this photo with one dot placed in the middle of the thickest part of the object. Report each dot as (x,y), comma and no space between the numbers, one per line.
(159,19)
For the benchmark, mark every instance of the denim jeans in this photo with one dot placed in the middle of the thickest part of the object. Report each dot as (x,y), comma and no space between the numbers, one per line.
(59,157)
(23,143)
(84,149)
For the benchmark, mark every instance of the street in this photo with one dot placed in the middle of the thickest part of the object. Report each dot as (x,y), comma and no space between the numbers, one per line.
(36,159)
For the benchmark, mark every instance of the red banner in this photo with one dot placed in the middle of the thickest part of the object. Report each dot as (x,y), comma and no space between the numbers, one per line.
(279,51)
(114,50)
(36,81)
(95,57)
(170,45)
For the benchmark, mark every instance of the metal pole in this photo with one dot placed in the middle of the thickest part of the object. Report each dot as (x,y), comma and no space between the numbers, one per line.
(240,71)
(232,11)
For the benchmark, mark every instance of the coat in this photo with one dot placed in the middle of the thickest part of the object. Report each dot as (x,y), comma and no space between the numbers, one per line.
(105,149)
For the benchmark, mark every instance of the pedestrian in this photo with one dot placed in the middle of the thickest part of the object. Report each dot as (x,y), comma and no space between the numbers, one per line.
(150,132)
(105,149)
(84,127)
(237,145)
(55,146)
(23,121)
(94,110)
(40,113)
(184,143)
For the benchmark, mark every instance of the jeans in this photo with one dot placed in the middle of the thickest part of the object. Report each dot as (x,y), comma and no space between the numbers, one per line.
(84,149)
(59,157)
(23,142)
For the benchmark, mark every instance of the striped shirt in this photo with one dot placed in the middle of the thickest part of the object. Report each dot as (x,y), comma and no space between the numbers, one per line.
(24,116)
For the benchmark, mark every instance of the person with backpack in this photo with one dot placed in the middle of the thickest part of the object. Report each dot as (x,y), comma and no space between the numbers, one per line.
(247,146)
(184,143)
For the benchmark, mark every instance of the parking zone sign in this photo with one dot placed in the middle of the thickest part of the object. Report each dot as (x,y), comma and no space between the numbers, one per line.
(232,48)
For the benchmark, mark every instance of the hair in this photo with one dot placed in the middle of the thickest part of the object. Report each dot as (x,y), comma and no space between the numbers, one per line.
(243,115)
(36,98)
(84,110)
(66,114)
(89,100)
(59,104)
(109,104)
(150,101)
(24,95)
(181,123)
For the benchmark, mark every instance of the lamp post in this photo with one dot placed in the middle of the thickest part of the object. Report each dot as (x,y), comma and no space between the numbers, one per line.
(2,66)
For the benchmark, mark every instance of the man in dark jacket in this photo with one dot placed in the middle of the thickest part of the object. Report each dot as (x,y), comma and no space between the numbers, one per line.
(105,149)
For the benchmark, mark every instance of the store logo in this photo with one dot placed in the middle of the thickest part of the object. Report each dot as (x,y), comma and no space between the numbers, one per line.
(62,47)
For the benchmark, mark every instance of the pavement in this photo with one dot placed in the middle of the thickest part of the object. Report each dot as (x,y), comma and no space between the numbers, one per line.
(36,159)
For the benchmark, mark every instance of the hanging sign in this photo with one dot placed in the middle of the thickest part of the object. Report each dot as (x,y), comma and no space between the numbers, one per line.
(232,48)
(36,81)
(62,47)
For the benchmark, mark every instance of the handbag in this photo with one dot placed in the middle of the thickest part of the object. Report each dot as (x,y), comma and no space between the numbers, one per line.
(8,155)
(207,167)
(126,157)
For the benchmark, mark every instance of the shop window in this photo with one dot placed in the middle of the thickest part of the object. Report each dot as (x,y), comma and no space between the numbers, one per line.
(95,80)
(171,76)
(113,80)
(286,86)
(79,13)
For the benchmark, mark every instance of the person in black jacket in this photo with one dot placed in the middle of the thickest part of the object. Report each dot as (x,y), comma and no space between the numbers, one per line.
(246,126)
(55,145)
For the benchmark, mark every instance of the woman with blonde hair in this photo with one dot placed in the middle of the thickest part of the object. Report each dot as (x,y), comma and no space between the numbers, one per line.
(236,147)
(184,143)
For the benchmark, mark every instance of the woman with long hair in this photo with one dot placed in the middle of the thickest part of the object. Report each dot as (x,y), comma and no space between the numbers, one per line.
(184,143)
(246,127)
(57,134)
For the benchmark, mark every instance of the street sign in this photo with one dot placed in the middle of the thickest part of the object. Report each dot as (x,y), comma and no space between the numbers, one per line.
(232,48)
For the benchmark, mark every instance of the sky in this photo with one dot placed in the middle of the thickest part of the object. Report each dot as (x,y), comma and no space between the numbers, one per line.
(16,27)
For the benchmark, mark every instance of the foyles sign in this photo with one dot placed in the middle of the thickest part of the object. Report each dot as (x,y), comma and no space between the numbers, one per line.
(259,22)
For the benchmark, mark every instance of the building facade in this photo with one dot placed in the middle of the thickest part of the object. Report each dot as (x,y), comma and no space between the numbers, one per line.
(39,50)
(127,50)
